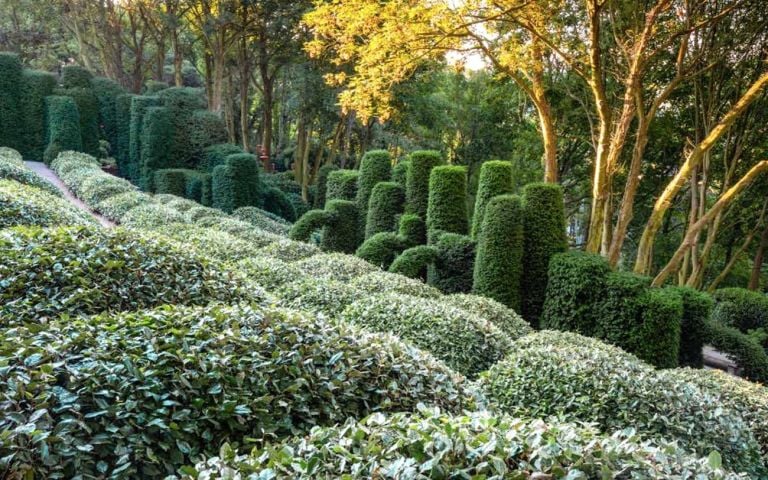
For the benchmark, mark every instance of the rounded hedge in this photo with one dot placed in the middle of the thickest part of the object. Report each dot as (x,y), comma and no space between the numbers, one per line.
(10,169)
(749,355)
(381,249)
(75,76)
(194,214)
(289,250)
(8,154)
(499,260)
(544,237)
(433,444)
(506,319)
(308,224)
(342,185)
(269,272)
(26,205)
(741,308)
(341,232)
(378,282)
(97,188)
(327,297)
(242,230)
(152,215)
(263,219)
(447,207)
(496,178)
(385,206)
(210,242)
(335,266)
(275,201)
(139,395)
(118,205)
(465,342)
(412,229)
(50,272)
(413,262)
(420,168)
(400,173)
(322,184)
(581,379)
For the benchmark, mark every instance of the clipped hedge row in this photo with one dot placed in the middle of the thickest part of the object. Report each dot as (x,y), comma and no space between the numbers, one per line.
(25,205)
(12,168)
(263,219)
(62,127)
(10,103)
(419,171)
(36,85)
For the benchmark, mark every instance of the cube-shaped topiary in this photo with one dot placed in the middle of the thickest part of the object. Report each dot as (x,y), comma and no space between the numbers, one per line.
(75,76)
(342,185)
(215,155)
(657,338)
(236,184)
(417,181)
(447,207)
(495,179)
(36,86)
(62,121)
(155,152)
(11,79)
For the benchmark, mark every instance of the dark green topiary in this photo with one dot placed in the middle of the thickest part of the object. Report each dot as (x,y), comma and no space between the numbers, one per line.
(107,92)
(619,309)
(342,185)
(413,229)
(381,249)
(171,180)
(417,181)
(342,233)
(447,210)
(697,307)
(62,122)
(657,338)
(215,155)
(236,184)
(310,222)
(75,76)
(123,118)
(151,87)
(455,263)
(275,201)
(322,184)
(495,179)
(139,106)
(498,265)
(36,86)
(400,173)
(206,129)
(741,308)
(185,144)
(157,128)
(11,122)
(384,206)
(745,351)
(198,186)
(88,106)
(544,237)
(375,167)
(413,262)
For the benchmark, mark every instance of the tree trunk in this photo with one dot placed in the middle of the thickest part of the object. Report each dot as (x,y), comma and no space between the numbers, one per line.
(245,75)
(757,264)
(178,59)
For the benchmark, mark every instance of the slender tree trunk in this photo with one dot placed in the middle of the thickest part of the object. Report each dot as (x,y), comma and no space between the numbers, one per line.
(178,59)
(208,59)
(544,111)
(731,262)
(757,263)
(245,75)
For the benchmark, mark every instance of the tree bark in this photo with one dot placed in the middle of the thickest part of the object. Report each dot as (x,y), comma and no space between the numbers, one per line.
(757,263)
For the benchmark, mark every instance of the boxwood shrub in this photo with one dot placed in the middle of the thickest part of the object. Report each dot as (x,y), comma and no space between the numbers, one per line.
(447,206)
(750,356)
(26,205)
(414,261)
(506,319)
(13,169)
(290,251)
(138,395)
(275,201)
(10,155)
(578,378)
(477,445)
(322,184)
(417,181)
(384,208)
(122,148)
(341,233)
(465,342)
(342,185)
(269,272)
(236,183)
(242,230)
(107,91)
(217,154)
(62,126)
(35,87)
(378,282)
(139,106)
(308,224)
(182,204)
(194,214)
(171,180)
(381,249)
(413,229)
(10,102)
(375,167)
(657,337)
(118,205)
(151,216)
(335,266)
(326,297)
(741,308)
(263,219)
(88,108)
(496,178)
(100,186)
(210,242)
(400,173)
(453,267)
(155,153)
(50,272)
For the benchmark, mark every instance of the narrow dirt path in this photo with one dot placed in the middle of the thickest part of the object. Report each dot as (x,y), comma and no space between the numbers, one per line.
(42,169)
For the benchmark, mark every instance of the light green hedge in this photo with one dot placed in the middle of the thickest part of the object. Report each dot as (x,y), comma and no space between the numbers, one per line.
(26,205)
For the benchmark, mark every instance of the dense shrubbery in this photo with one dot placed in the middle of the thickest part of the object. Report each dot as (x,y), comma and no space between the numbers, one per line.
(413,262)
(235,183)
(453,267)
(152,216)
(116,206)
(386,204)
(697,307)
(420,168)
(341,185)
(341,232)
(322,184)
(335,266)
(88,109)
(12,168)
(106,270)
(381,249)
(159,388)
(378,282)
(10,105)
(741,308)
(478,445)
(465,342)
(375,167)
(26,205)
(35,87)
(447,206)
(495,179)
(742,349)
(581,379)
(107,92)
(263,219)
(327,297)
(506,319)
(62,127)
(269,272)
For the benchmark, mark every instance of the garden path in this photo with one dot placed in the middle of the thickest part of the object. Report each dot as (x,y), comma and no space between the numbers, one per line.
(42,169)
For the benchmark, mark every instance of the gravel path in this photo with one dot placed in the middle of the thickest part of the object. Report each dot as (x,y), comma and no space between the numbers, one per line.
(42,169)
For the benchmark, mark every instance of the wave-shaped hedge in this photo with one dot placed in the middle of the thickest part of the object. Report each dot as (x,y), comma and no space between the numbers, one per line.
(13,169)
(26,205)
(138,395)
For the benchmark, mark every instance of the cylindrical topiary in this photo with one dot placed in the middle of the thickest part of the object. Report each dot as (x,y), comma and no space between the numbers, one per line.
(36,86)
(139,106)
(184,103)
(657,338)
(617,311)
(11,121)
(413,229)
(413,262)
(545,236)
(447,209)
(309,222)
(155,149)
(375,167)
(495,179)
(341,233)
(417,181)
(384,206)
(452,270)
(400,173)
(62,121)
(123,132)
(107,92)
(322,184)
(342,185)
(88,106)
(381,249)
(236,184)
(697,307)
(498,265)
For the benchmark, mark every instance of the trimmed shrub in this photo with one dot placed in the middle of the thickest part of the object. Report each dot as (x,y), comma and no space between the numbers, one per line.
(75,76)
(478,445)
(378,282)
(400,173)
(35,87)
(211,242)
(618,309)
(576,286)
(182,205)
(289,250)
(269,272)
(198,186)
(657,338)
(544,229)
(335,266)
(236,184)
(447,210)
(26,205)
(745,351)
(151,216)
(215,155)
(381,249)
(88,107)
(123,126)
(62,127)
(275,201)
(496,178)
(581,379)
(206,129)
(242,230)
(157,398)
(340,234)
(152,87)
(183,103)
(465,342)
(417,182)
(194,214)
(413,229)
(11,119)
(385,205)
(106,270)
(263,219)
(498,265)
(413,262)
(107,92)
(155,152)
(118,205)
(96,188)
(309,223)
(741,308)
(325,297)
(342,185)
(453,267)
(13,169)
(139,107)
(697,307)
(10,155)
(375,167)
(322,184)
(506,319)
(172,181)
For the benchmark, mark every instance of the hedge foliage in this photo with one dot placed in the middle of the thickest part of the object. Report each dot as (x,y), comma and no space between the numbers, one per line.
(189,131)
(139,107)
(544,237)
(118,205)
(35,86)
(322,184)
(377,282)
(375,167)
(381,249)
(657,337)
(153,402)
(400,173)
(499,261)
(385,206)
(155,148)
(413,229)
(326,297)
(107,91)
(151,216)
(342,185)
(476,445)
(26,205)
(236,183)
(309,223)
(106,270)
(506,319)
(275,201)
(206,128)
(496,178)
(742,349)
(335,266)
(217,154)
(123,134)
(577,378)
(341,233)
(263,219)
(414,261)
(171,180)
(75,76)
(62,127)
(417,181)
(465,342)
(741,308)
(453,267)
(11,120)
(447,206)
(88,107)
(13,168)
(269,272)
